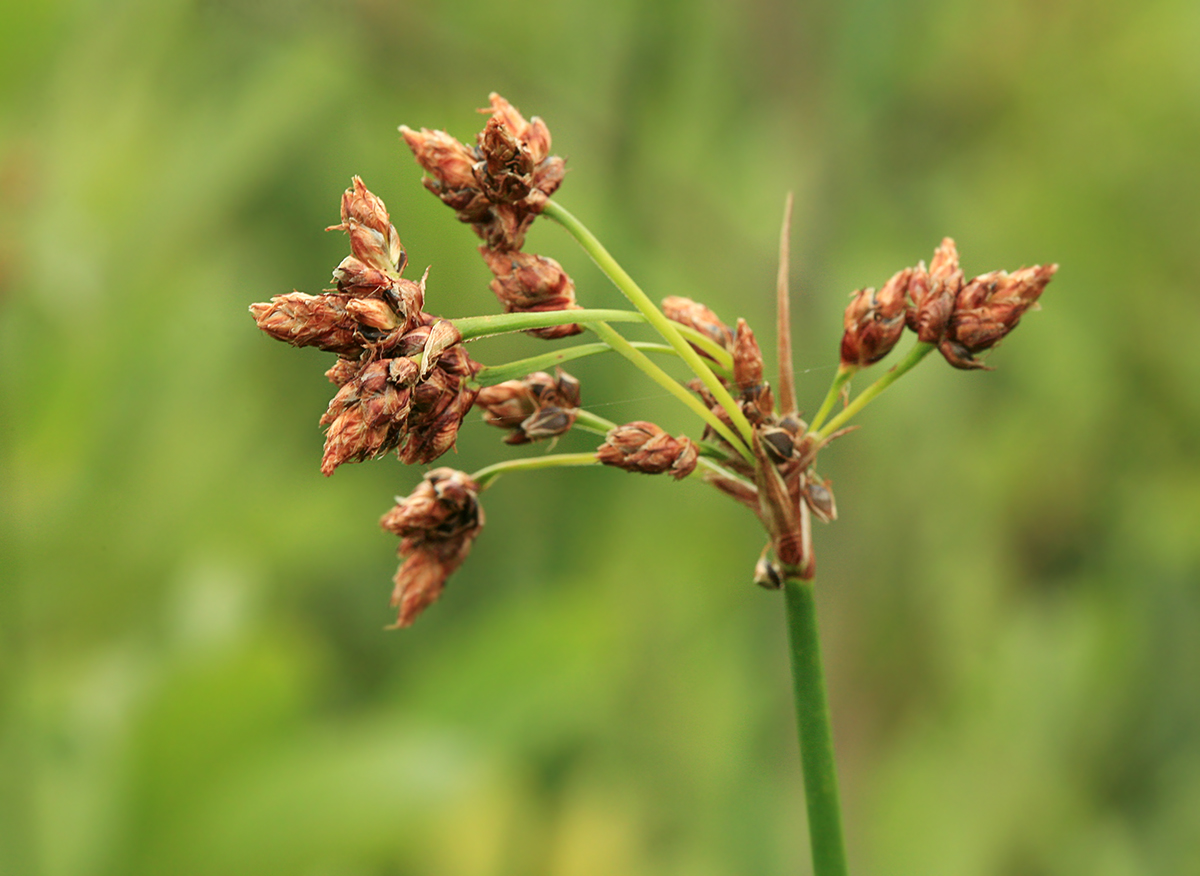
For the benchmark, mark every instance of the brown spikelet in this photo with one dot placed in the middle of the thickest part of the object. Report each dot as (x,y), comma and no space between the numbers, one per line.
(500,185)
(367,416)
(373,239)
(933,293)
(644,447)
(988,308)
(528,283)
(309,321)
(437,524)
(874,322)
(538,406)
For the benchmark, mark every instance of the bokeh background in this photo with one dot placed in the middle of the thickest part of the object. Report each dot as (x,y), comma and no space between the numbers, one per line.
(194,674)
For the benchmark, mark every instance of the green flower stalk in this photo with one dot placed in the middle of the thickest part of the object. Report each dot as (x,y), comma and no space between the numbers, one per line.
(404,382)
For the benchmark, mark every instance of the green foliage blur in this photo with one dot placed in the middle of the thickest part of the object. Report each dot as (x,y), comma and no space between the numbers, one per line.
(194,674)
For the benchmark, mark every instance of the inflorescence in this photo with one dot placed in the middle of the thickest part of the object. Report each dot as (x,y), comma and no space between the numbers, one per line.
(405,381)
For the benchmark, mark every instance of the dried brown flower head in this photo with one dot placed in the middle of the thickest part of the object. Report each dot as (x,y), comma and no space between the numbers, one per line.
(394,402)
(500,185)
(988,308)
(437,523)
(527,283)
(373,239)
(933,293)
(757,401)
(646,448)
(367,417)
(535,407)
(874,322)
(301,320)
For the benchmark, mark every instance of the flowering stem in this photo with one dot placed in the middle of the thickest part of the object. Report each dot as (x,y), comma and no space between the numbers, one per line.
(915,355)
(473,327)
(816,738)
(493,374)
(486,475)
(844,373)
(665,327)
(640,360)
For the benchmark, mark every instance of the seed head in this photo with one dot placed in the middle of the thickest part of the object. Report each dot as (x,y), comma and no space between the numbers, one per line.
(874,322)
(393,402)
(645,448)
(301,320)
(747,358)
(367,416)
(757,403)
(519,150)
(527,283)
(437,524)
(451,168)
(533,133)
(933,293)
(539,406)
(439,406)
(988,308)
(373,240)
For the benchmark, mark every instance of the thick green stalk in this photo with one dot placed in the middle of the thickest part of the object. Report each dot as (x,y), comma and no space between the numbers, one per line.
(473,327)
(915,355)
(642,362)
(665,327)
(816,738)
(515,370)
(486,475)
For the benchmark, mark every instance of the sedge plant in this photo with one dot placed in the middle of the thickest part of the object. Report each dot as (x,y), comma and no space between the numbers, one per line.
(405,382)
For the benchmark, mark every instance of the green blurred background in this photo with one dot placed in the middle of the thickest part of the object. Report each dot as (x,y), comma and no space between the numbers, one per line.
(194,675)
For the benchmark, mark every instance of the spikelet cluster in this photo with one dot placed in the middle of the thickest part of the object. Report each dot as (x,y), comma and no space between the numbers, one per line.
(402,375)
(498,187)
(963,318)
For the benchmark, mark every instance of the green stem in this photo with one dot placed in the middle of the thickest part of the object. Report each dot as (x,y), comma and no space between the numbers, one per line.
(473,327)
(486,475)
(723,359)
(592,422)
(844,373)
(665,327)
(642,362)
(493,374)
(915,355)
(816,738)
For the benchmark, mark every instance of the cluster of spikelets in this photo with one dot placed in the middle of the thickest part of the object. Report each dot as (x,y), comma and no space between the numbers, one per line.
(405,381)
(498,187)
(962,318)
(403,378)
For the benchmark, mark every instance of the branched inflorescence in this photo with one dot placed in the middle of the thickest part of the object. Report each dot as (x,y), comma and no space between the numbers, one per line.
(405,381)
